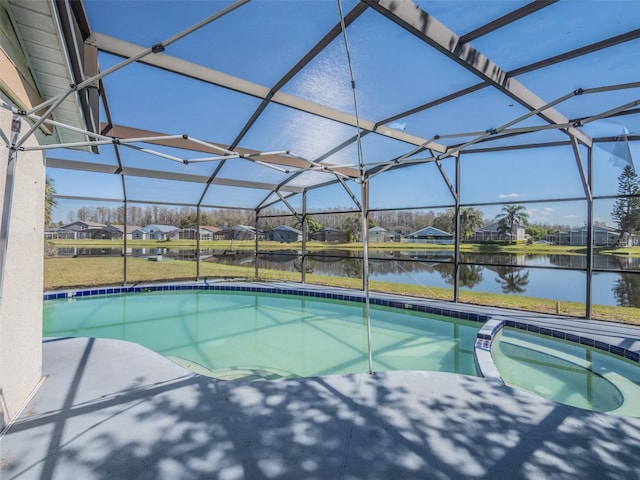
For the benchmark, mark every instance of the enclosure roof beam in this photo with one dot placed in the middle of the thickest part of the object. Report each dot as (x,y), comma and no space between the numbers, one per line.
(447,180)
(581,170)
(435,103)
(143,201)
(278,187)
(83,198)
(116,147)
(378,168)
(578,52)
(288,205)
(350,193)
(121,48)
(161,175)
(510,17)
(594,47)
(122,132)
(431,31)
(264,206)
(522,146)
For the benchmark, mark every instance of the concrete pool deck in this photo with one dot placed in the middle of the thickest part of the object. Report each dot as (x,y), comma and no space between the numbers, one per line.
(110,409)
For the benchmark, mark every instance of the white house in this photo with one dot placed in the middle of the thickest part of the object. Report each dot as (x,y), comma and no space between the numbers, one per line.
(493,232)
(60,233)
(84,229)
(379,234)
(155,232)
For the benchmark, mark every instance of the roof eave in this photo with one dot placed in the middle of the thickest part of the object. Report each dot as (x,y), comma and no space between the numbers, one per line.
(58,62)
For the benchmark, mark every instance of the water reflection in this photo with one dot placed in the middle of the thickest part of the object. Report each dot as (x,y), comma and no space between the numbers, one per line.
(627,290)
(512,280)
(563,277)
(601,262)
(469,275)
(83,252)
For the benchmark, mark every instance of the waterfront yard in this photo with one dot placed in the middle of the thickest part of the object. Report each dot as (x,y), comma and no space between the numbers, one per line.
(62,273)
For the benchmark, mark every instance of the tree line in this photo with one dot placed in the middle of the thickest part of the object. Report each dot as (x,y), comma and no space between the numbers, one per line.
(626,214)
(402,221)
(183,217)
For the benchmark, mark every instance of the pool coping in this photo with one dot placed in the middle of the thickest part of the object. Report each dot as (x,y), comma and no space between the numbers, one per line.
(618,339)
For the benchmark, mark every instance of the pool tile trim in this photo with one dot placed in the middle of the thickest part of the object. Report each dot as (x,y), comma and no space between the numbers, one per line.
(483,340)
(582,340)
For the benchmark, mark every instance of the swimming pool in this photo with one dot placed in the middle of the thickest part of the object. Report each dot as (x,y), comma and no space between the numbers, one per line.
(257,335)
(567,372)
(245,332)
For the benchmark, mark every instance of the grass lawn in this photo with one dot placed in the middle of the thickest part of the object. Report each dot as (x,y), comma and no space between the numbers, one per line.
(94,271)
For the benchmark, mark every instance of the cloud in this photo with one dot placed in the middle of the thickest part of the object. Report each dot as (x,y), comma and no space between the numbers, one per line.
(510,195)
(570,216)
(540,214)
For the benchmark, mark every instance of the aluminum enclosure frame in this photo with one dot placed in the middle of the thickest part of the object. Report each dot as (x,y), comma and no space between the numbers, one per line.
(414,21)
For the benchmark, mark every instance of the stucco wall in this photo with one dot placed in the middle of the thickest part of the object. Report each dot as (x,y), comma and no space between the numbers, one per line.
(21,295)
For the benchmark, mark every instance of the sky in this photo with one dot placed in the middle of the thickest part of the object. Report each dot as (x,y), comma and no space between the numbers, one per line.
(393,72)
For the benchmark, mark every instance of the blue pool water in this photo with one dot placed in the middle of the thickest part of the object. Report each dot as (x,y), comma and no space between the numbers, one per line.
(567,372)
(236,335)
(256,335)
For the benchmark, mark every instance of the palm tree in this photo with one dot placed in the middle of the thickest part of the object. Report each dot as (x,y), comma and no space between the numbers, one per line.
(49,201)
(470,220)
(510,216)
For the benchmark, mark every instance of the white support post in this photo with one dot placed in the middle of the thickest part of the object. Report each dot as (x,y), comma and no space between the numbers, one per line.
(365,267)
(198,243)
(22,202)
(124,241)
(16,125)
(257,244)
(304,237)
(458,237)
(365,194)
